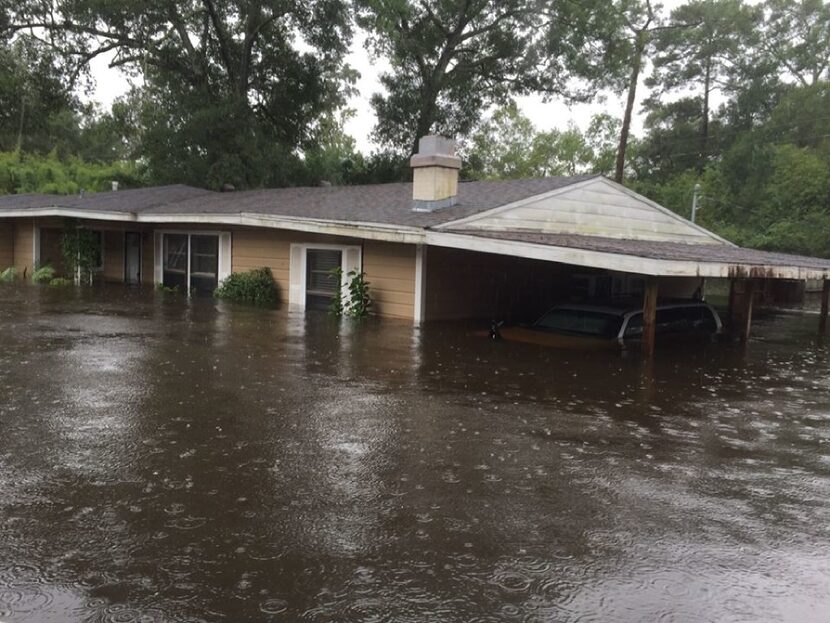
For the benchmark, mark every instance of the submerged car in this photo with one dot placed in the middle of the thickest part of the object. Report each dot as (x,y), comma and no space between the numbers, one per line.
(609,325)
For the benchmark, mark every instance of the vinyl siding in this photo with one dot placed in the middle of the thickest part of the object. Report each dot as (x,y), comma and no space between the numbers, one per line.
(390,271)
(594,209)
(389,267)
(24,246)
(113,241)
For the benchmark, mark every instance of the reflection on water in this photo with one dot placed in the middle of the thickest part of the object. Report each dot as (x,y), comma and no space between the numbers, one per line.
(170,461)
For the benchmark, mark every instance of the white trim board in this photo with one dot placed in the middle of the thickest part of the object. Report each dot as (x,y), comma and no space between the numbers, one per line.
(351,259)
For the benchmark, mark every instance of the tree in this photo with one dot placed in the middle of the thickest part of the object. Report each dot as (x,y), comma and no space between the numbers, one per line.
(508,146)
(230,92)
(451,60)
(796,36)
(702,53)
(37,110)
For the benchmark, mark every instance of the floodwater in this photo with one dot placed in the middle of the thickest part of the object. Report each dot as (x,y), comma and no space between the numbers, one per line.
(165,460)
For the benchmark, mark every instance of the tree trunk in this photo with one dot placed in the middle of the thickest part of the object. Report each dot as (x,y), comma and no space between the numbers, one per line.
(637,62)
(704,123)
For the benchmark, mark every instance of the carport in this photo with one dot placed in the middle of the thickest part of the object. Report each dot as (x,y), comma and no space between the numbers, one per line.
(664,268)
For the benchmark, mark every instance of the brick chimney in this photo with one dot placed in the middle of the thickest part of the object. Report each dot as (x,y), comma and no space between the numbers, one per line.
(434,174)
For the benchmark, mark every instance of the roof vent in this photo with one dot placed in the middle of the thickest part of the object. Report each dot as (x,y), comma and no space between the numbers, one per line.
(434,174)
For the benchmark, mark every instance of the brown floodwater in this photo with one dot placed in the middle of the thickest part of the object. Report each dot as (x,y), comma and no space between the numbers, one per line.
(166,460)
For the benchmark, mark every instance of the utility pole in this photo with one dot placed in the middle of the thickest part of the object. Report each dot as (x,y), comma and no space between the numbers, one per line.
(694,202)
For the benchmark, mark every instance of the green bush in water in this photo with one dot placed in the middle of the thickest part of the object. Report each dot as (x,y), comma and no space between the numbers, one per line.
(256,286)
(44,274)
(8,275)
(60,282)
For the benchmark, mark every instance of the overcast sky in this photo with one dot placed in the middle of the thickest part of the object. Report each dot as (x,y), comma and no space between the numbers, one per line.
(110,84)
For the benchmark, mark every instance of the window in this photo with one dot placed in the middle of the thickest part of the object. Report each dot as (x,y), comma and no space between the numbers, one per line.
(204,263)
(322,283)
(175,261)
(190,262)
(580,321)
(675,320)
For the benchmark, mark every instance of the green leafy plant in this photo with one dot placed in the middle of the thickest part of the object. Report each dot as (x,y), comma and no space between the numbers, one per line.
(81,250)
(160,287)
(336,305)
(60,282)
(358,302)
(256,287)
(8,275)
(43,274)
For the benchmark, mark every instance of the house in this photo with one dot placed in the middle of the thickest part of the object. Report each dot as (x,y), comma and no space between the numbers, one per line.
(436,248)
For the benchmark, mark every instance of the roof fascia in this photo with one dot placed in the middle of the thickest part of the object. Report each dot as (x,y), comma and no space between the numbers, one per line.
(100,215)
(350,229)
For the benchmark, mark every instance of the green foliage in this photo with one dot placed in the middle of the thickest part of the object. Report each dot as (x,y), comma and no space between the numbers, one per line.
(255,286)
(357,303)
(60,282)
(8,275)
(29,173)
(508,146)
(336,306)
(163,289)
(43,274)
(81,249)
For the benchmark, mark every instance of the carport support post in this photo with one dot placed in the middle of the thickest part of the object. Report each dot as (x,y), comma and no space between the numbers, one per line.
(825,300)
(649,316)
(741,295)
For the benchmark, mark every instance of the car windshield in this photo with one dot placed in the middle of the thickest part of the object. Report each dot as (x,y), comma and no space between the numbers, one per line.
(580,321)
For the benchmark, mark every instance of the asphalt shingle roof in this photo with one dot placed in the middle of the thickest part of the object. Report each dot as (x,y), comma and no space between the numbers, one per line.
(388,204)
(716,253)
(134,200)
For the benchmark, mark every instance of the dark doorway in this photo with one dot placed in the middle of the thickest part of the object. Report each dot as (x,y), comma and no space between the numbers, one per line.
(132,258)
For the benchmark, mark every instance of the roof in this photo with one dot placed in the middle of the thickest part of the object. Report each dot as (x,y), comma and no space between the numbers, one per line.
(128,201)
(389,204)
(663,251)
(582,220)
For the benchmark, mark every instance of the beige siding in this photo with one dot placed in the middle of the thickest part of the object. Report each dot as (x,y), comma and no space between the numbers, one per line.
(390,271)
(6,244)
(389,267)
(595,209)
(113,242)
(24,246)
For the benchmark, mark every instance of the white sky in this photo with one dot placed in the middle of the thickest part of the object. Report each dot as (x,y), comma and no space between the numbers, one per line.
(111,83)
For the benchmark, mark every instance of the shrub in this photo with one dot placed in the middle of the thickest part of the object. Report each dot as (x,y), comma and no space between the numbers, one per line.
(256,286)
(357,303)
(60,282)
(8,275)
(160,287)
(44,274)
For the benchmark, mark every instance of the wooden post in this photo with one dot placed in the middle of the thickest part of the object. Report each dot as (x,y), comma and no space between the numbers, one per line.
(740,314)
(825,300)
(649,316)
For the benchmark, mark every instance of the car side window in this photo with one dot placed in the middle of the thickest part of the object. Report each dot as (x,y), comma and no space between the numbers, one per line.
(634,328)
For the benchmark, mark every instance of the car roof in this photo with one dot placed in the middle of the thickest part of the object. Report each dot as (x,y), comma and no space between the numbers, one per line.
(626,307)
